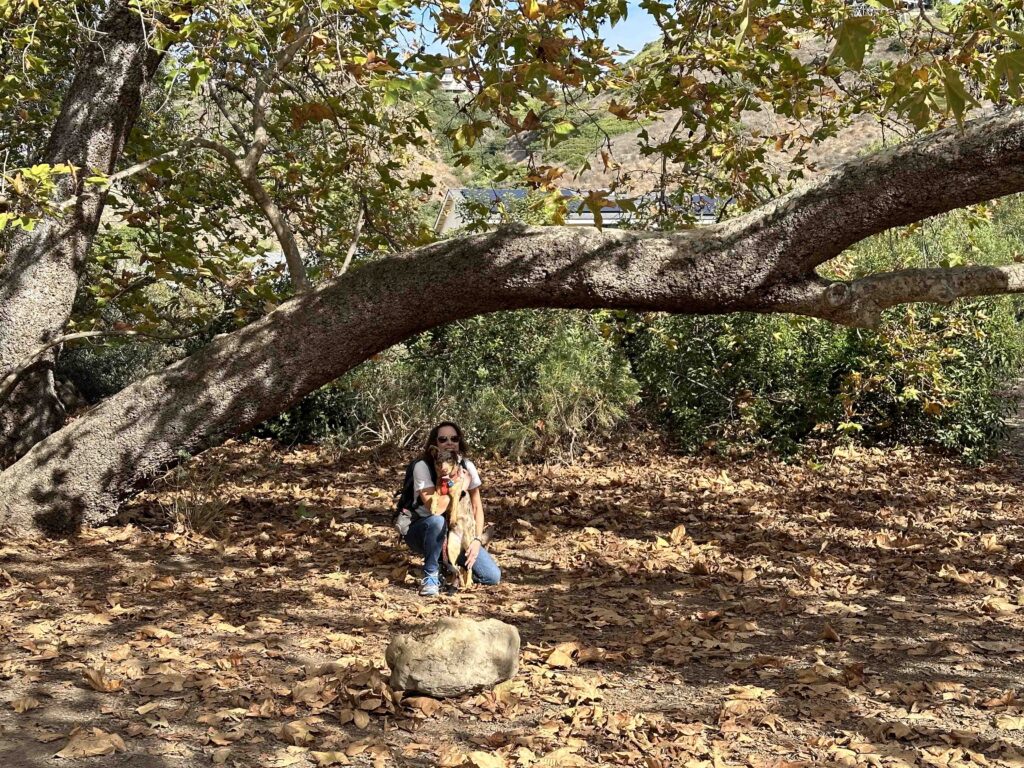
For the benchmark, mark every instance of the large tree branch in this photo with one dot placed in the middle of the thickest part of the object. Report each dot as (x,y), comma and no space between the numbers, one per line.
(762,262)
(861,302)
(923,177)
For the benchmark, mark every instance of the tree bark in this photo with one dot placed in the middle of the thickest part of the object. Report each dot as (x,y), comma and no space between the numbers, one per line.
(761,262)
(246,170)
(282,229)
(40,274)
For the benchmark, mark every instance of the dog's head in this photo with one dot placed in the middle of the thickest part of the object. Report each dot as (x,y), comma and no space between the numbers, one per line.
(446,461)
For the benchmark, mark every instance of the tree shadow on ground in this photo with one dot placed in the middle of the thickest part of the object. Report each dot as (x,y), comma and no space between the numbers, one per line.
(665,622)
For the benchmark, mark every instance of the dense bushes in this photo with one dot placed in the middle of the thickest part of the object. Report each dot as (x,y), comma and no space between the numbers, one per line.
(929,376)
(519,382)
(540,382)
(741,379)
(99,371)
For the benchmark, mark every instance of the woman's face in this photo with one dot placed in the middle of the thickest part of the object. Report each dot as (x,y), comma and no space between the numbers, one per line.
(447,439)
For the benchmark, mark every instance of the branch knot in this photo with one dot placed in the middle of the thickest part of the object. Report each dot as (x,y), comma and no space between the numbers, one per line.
(837,294)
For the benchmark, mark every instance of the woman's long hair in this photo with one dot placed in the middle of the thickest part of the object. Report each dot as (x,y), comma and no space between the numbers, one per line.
(428,455)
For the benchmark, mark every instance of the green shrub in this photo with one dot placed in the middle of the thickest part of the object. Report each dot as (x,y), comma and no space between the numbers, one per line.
(935,376)
(518,382)
(736,380)
(930,375)
(101,370)
(544,381)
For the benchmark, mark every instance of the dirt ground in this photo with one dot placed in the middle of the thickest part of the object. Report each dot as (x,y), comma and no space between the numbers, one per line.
(861,608)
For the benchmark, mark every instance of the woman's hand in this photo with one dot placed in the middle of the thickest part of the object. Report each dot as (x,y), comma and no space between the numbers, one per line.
(472,552)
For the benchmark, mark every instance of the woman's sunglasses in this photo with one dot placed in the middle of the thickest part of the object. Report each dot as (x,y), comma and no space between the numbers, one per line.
(446,439)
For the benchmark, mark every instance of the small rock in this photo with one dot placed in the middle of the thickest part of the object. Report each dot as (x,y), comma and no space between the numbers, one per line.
(454,656)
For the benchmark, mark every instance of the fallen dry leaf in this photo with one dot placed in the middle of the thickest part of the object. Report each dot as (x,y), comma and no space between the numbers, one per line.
(98,681)
(478,759)
(451,756)
(828,633)
(24,704)
(330,758)
(425,704)
(563,757)
(156,633)
(1010,723)
(91,743)
(297,732)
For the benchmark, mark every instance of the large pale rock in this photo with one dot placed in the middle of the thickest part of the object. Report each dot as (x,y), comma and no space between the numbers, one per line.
(454,656)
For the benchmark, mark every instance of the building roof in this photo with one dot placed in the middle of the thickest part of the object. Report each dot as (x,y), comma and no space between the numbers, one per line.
(704,207)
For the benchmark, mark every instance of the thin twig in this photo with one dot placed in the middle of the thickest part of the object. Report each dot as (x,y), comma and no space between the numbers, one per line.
(355,238)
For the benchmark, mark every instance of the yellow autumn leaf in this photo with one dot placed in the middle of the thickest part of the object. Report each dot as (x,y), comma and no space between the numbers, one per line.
(531,9)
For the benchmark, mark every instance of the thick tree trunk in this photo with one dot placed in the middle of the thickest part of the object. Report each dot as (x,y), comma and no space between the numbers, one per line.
(761,262)
(31,413)
(40,274)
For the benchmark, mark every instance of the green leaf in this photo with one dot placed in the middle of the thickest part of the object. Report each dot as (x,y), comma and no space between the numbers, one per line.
(746,11)
(957,97)
(852,40)
(1010,67)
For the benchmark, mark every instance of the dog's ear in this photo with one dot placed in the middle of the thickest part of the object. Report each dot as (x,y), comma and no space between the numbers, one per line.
(433,452)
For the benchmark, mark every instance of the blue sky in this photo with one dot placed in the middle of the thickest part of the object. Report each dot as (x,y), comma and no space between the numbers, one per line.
(633,32)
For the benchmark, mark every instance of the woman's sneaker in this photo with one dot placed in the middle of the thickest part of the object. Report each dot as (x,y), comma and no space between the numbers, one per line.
(431,585)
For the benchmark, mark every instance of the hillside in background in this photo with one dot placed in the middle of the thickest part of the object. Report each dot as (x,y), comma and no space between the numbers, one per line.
(631,171)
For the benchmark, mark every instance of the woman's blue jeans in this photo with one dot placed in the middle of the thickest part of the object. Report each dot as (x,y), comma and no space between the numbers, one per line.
(426,537)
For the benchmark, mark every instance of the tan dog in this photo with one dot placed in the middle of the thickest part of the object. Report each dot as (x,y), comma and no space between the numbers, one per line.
(461,520)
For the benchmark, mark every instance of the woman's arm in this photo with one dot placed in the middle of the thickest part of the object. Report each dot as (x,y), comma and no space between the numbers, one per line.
(427,496)
(478,513)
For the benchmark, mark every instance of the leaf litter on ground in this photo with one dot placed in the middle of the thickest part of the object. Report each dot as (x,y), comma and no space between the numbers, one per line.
(858,609)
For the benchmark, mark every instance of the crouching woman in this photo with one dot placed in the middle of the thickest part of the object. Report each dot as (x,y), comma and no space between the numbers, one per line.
(426,533)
